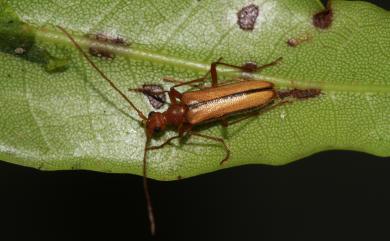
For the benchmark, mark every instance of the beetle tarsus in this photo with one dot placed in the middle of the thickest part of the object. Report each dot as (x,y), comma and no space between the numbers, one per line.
(218,139)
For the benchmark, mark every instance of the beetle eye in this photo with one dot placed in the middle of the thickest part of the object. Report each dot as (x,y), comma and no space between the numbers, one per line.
(156,129)
(151,114)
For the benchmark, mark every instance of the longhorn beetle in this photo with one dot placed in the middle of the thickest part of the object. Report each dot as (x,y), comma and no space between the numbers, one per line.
(193,108)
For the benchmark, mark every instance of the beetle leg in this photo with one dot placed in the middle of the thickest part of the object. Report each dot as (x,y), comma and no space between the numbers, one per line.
(148,92)
(213,72)
(224,122)
(167,142)
(245,68)
(190,83)
(183,129)
(174,95)
(214,75)
(217,139)
(275,62)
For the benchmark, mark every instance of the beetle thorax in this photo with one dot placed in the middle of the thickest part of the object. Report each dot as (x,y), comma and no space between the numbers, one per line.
(175,114)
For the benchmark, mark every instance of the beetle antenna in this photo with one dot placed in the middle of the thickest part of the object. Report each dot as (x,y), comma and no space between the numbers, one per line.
(146,190)
(140,114)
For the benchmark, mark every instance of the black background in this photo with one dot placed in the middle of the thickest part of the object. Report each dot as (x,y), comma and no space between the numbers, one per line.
(336,195)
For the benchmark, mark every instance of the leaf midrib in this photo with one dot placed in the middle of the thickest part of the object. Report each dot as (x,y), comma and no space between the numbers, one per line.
(137,53)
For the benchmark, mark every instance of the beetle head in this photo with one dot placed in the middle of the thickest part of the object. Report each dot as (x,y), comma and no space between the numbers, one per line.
(155,124)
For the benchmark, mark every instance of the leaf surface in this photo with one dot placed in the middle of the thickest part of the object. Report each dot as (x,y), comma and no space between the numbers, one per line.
(59,114)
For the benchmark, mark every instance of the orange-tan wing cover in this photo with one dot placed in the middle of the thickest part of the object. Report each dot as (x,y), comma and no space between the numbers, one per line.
(212,103)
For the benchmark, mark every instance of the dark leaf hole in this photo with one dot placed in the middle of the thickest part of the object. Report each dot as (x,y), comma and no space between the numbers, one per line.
(247,16)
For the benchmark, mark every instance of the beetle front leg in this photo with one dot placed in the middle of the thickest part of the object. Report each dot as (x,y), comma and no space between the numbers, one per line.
(185,128)
(174,95)
(167,142)
(212,71)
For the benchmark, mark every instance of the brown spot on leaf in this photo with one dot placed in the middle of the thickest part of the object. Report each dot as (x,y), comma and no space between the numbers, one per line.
(96,50)
(299,93)
(101,52)
(247,16)
(294,42)
(155,95)
(323,19)
(104,38)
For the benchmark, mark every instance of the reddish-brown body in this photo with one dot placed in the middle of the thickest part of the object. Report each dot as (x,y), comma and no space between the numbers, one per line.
(209,104)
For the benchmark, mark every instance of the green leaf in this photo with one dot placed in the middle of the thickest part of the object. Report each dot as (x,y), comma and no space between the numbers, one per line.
(58,113)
